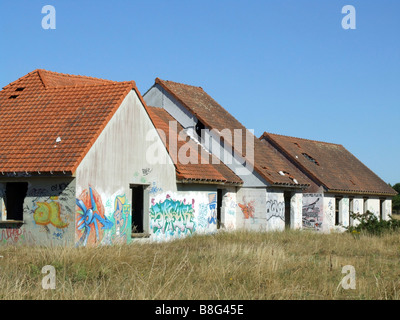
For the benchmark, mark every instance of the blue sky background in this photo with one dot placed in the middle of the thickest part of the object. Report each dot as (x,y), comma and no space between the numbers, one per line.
(281,66)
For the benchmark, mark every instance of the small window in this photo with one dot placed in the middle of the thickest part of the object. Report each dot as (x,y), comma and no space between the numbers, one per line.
(14,200)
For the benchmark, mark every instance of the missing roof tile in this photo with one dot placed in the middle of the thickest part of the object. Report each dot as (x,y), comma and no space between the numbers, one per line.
(308,157)
(14,96)
(20,89)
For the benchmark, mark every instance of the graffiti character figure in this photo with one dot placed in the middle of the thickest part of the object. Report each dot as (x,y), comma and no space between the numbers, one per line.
(89,217)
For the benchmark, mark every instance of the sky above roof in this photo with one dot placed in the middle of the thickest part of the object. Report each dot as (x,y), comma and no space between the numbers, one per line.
(285,67)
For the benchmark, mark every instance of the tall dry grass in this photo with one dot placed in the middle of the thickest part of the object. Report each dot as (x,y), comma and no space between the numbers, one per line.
(237,265)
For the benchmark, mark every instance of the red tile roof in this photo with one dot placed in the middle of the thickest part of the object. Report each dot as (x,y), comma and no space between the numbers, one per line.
(267,161)
(43,106)
(203,169)
(329,164)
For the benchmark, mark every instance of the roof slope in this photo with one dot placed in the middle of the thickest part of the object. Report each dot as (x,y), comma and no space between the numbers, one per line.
(201,166)
(331,164)
(267,161)
(43,106)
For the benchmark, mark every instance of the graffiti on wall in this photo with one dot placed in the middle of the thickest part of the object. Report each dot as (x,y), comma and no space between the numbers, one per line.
(247,209)
(172,217)
(313,211)
(121,217)
(91,220)
(275,209)
(49,213)
(212,205)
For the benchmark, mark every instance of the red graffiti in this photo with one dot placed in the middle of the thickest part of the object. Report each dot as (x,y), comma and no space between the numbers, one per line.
(10,235)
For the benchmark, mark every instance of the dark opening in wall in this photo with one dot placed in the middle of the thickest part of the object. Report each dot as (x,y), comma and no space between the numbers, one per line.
(199,126)
(219,207)
(381,208)
(287,196)
(137,208)
(14,200)
(337,211)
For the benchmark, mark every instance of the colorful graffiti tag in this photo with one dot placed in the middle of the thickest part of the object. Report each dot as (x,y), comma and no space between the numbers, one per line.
(91,220)
(172,218)
(312,211)
(49,213)
(212,197)
(121,219)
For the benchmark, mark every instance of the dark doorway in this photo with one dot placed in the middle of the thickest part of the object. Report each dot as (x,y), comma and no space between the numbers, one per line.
(219,207)
(14,201)
(137,208)
(288,197)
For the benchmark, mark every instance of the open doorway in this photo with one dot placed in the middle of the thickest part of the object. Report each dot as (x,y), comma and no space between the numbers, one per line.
(288,197)
(137,208)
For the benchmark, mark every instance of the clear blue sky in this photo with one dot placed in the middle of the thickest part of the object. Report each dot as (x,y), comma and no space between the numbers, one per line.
(281,66)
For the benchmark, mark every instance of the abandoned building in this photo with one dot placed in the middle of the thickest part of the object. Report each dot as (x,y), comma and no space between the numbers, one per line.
(344,184)
(87,162)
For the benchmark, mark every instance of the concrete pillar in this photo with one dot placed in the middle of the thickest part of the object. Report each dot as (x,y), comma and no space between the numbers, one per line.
(344,208)
(296,211)
(387,209)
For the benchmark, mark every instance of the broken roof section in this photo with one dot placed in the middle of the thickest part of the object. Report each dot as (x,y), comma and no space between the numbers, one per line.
(330,165)
(203,167)
(267,162)
(49,120)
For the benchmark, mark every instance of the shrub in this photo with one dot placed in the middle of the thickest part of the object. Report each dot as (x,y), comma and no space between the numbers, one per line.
(369,223)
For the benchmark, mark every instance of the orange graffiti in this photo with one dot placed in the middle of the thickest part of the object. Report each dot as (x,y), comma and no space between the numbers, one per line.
(248,210)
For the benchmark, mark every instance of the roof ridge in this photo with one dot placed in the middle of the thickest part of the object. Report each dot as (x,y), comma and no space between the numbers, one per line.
(74,75)
(113,83)
(158,80)
(304,139)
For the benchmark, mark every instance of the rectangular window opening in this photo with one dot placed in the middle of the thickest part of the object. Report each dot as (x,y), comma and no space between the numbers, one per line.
(14,200)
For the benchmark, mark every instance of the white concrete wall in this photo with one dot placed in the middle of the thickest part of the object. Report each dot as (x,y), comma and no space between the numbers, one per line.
(329,213)
(373,205)
(344,212)
(120,157)
(387,209)
(229,209)
(296,210)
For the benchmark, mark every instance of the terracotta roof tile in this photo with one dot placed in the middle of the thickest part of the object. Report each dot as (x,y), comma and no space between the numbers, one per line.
(329,164)
(267,161)
(42,106)
(204,167)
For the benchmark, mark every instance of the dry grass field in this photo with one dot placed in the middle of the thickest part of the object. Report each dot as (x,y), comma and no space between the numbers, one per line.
(238,265)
